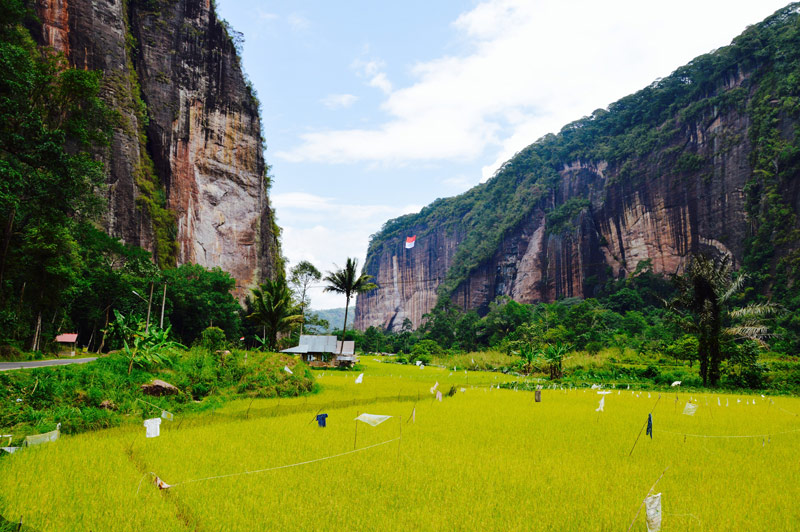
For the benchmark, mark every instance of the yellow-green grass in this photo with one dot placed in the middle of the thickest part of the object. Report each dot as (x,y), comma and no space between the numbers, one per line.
(485,459)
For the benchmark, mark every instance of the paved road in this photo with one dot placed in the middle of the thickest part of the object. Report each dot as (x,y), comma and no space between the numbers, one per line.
(4,366)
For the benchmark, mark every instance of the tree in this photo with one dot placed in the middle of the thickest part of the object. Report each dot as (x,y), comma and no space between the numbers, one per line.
(345,281)
(440,324)
(554,355)
(198,298)
(702,305)
(301,278)
(51,119)
(274,310)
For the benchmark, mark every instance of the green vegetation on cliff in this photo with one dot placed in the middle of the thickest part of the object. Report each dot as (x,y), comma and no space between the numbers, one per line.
(756,76)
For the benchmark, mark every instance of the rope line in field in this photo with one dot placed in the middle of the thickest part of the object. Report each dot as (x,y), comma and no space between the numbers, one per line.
(269,468)
(734,436)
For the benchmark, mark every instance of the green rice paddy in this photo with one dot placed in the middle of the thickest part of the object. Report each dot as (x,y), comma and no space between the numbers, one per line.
(483,459)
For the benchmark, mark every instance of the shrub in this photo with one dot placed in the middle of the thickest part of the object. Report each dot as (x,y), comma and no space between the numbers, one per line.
(11,353)
(212,338)
(426,347)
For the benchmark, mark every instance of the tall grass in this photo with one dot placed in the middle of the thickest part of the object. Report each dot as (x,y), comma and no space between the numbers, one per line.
(485,458)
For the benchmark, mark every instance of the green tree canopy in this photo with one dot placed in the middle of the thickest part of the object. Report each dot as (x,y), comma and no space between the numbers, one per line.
(274,310)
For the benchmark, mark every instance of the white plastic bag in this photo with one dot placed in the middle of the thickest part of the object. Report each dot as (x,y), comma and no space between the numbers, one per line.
(652,506)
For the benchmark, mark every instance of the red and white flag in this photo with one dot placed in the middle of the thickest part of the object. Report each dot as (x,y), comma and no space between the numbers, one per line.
(410,241)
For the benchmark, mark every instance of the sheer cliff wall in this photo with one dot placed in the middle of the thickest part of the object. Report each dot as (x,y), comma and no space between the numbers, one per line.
(185,170)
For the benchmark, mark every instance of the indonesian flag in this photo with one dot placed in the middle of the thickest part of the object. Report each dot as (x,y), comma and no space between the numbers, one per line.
(410,241)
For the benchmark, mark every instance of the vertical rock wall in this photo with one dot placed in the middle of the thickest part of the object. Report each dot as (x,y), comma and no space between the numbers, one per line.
(656,212)
(202,132)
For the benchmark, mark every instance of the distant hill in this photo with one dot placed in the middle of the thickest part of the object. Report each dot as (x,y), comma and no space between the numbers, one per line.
(334,316)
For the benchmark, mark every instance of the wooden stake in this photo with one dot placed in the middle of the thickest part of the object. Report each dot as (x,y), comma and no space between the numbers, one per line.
(355,441)
(400,440)
(645,498)
(315,416)
(642,430)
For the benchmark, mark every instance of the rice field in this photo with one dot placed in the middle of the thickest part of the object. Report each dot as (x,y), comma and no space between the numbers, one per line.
(484,459)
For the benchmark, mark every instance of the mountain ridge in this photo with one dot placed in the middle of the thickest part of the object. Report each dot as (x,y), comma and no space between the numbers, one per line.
(685,165)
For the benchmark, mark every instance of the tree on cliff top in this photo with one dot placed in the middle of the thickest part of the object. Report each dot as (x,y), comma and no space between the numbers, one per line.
(345,281)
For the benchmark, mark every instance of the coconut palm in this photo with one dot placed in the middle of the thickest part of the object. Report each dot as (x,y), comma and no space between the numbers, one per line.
(347,282)
(704,294)
(274,310)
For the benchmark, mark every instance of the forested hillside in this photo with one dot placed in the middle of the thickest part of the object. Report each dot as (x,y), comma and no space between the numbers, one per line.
(703,161)
(95,216)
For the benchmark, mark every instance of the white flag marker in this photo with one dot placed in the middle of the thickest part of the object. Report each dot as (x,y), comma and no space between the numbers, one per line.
(372,419)
(287,370)
(359,379)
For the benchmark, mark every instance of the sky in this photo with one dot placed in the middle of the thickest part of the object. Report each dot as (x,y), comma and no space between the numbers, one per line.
(373,109)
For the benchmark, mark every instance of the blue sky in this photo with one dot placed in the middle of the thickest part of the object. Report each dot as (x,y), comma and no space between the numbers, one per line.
(374,109)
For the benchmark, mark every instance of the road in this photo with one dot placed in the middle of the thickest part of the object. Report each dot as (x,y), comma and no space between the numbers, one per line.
(5,366)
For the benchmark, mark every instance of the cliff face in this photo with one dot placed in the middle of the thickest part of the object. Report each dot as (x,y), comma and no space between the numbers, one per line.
(609,192)
(186,174)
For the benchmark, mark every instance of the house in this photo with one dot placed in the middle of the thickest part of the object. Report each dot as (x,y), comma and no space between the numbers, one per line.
(323,351)
(68,338)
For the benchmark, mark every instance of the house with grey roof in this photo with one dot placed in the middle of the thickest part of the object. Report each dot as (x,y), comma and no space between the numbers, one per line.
(324,351)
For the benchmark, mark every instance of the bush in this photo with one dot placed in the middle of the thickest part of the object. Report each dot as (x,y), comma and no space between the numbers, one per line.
(426,347)
(10,353)
(212,338)
(594,347)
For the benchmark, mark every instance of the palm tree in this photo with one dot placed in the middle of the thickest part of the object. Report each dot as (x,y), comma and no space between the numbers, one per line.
(274,310)
(345,281)
(704,293)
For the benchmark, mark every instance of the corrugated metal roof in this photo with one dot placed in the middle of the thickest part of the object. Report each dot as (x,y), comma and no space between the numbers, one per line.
(299,349)
(67,338)
(319,344)
(349,347)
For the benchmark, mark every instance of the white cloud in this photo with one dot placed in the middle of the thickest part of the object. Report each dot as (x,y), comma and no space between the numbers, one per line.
(298,22)
(381,82)
(460,182)
(373,70)
(265,15)
(339,101)
(326,232)
(528,68)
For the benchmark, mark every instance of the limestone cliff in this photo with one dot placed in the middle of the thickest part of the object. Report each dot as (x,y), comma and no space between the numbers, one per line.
(186,173)
(699,162)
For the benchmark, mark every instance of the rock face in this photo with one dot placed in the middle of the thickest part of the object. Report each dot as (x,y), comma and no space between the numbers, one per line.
(695,189)
(188,139)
